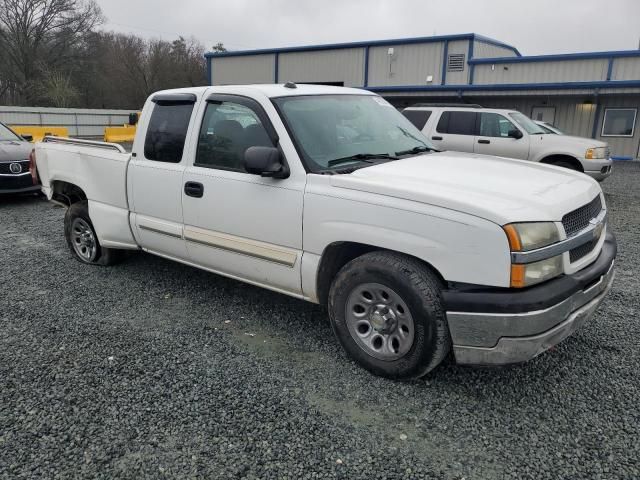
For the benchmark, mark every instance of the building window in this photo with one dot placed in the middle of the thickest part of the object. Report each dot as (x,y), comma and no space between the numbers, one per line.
(619,122)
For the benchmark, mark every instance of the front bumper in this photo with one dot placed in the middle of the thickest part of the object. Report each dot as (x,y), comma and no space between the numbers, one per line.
(503,326)
(20,183)
(598,170)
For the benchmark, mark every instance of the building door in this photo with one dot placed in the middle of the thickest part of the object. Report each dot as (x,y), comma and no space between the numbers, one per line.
(544,114)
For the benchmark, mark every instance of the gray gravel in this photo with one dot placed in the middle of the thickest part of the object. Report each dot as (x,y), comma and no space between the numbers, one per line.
(152,369)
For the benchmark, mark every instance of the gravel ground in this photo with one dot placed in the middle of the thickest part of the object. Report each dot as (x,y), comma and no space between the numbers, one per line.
(152,369)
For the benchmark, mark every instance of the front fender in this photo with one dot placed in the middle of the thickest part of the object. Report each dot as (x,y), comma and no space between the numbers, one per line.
(461,247)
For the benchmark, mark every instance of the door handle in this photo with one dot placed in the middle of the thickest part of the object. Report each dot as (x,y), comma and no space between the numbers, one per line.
(436,138)
(194,189)
(482,140)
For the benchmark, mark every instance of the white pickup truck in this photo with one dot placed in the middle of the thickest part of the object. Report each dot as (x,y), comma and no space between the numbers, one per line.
(330,195)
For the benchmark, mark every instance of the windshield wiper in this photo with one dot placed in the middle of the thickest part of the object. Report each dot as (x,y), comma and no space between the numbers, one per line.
(418,149)
(363,157)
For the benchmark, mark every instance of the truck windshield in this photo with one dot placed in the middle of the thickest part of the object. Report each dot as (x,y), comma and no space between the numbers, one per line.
(338,131)
(7,135)
(529,125)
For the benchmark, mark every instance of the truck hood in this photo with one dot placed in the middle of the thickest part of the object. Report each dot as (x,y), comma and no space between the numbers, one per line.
(498,189)
(14,151)
(568,143)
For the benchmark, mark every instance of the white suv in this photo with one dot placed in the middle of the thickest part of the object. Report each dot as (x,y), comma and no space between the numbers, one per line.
(508,133)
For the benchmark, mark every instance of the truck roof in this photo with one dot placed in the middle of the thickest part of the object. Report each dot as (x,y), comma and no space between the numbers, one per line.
(274,90)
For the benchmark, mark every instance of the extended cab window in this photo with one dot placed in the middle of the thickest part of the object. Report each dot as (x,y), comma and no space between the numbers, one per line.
(167,131)
(495,125)
(227,130)
(419,118)
(457,123)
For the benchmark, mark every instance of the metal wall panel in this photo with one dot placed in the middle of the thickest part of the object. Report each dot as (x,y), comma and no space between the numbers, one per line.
(541,72)
(488,50)
(626,69)
(458,78)
(341,65)
(243,70)
(78,121)
(409,64)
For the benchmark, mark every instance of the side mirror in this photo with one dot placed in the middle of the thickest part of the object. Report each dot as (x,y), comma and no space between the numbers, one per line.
(133,119)
(515,133)
(27,137)
(266,162)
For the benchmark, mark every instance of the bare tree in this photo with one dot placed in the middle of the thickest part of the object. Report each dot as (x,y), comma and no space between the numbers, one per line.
(37,33)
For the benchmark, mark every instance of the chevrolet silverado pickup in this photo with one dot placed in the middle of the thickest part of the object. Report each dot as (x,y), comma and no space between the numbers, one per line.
(331,195)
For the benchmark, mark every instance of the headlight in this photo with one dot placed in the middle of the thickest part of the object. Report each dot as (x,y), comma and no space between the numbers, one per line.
(529,236)
(595,153)
(532,273)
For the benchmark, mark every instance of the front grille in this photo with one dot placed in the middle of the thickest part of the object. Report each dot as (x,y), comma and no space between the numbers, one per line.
(15,182)
(578,220)
(4,167)
(582,251)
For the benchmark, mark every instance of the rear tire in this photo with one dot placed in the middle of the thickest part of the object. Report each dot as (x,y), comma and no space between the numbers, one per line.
(386,310)
(82,239)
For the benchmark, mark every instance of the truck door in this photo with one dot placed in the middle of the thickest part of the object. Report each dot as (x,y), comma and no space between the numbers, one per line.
(155,174)
(496,137)
(235,223)
(455,131)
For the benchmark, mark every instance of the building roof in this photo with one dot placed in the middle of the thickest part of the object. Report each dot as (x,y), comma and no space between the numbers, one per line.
(370,43)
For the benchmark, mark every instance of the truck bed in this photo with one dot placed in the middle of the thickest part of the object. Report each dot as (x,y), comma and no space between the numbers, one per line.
(99,170)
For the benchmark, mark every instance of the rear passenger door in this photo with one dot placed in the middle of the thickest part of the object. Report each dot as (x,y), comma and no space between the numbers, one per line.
(493,137)
(155,174)
(455,130)
(242,225)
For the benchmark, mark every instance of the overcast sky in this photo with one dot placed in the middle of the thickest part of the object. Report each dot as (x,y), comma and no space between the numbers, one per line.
(532,26)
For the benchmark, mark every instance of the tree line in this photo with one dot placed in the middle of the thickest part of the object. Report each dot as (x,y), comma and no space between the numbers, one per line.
(54,54)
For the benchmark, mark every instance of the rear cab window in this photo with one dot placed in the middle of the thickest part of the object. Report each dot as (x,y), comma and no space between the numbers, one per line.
(167,129)
(455,122)
(419,118)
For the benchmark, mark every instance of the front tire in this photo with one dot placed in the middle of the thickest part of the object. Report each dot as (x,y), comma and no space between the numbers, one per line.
(386,310)
(82,239)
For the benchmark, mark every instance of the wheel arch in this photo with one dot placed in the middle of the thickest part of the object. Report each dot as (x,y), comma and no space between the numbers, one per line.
(554,158)
(337,254)
(67,193)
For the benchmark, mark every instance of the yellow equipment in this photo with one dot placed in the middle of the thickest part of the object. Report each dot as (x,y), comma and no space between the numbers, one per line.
(125,133)
(38,133)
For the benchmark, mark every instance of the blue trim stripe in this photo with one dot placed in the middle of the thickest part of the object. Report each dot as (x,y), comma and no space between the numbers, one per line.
(563,56)
(510,86)
(469,58)
(621,158)
(445,60)
(366,67)
(596,120)
(373,43)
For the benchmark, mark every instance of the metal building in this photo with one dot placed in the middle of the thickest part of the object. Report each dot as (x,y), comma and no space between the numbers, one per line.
(586,94)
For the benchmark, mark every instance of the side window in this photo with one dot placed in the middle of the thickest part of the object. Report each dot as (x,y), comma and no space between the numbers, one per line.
(419,118)
(457,123)
(227,130)
(494,125)
(167,131)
